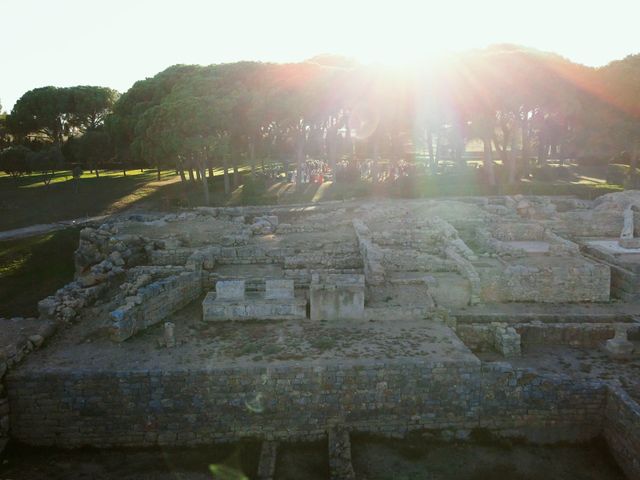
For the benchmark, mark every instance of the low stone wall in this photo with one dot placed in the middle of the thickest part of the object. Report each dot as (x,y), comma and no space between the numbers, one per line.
(581,282)
(625,275)
(372,255)
(303,276)
(176,256)
(625,284)
(200,405)
(20,336)
(496,336)
(335,260)
(154,303)
(622,430)
(480,336)
(467,270)
(589,335)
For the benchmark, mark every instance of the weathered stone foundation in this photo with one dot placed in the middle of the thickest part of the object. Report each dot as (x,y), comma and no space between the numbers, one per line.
(192,406)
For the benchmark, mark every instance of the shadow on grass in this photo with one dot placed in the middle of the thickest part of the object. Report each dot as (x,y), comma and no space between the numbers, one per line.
(33,268)
(22,205)
(189,194)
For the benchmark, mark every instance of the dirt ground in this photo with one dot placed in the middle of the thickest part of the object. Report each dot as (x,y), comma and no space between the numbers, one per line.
(373,459)
(219,462)
(250,343)
(385,460)
(303,460)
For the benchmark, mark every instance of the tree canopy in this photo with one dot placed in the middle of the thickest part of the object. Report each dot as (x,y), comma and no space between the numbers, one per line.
(520,104)
(56,114)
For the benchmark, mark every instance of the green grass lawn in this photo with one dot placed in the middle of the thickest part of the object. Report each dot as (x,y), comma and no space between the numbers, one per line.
(33,268)
(27,201)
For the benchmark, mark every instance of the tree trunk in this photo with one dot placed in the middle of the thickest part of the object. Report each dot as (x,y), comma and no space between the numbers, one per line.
(393,168)
(211,173)
(180,169)
(432,158)
(542,153)
(299,157)
(236,179)
(202,174)
(348,142)
(191,177)
(158,176)
(252,158)
(225,167)
(438,150)
(488,161)
(525,145)
(633,174)
(506,138)
(332,147)
(513,162)
(460,151)
(199,173)
(374,164)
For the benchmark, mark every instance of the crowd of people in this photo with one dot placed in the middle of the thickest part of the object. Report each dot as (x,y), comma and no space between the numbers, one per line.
(319,171)
(312,171)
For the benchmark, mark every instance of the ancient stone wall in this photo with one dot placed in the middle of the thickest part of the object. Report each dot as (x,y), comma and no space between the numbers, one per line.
(622,430)
(20,336)
(480,336)
(189,406)
(177,256)
(155,302)
(590,335)
(371,254)
(584,282)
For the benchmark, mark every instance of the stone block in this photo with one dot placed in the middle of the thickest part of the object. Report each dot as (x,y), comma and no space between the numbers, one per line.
(619,347)
(337,297)
(279,289)
(47,307)
(230,289)
(629,243)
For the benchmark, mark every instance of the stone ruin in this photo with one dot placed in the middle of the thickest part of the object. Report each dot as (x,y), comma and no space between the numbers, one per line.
(229,302)
(478,281)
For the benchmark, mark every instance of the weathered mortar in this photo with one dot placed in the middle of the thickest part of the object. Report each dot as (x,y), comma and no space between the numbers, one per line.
(296,401)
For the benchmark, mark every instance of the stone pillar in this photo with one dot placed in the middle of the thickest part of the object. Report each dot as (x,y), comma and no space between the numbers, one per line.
(169,337)
(619,347)
(626,236)
(337,297)
(506,340)
(340,467)
(267,463)
(279,290)
(230,289)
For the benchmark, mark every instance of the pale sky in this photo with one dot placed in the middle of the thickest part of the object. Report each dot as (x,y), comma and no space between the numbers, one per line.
(116,42)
